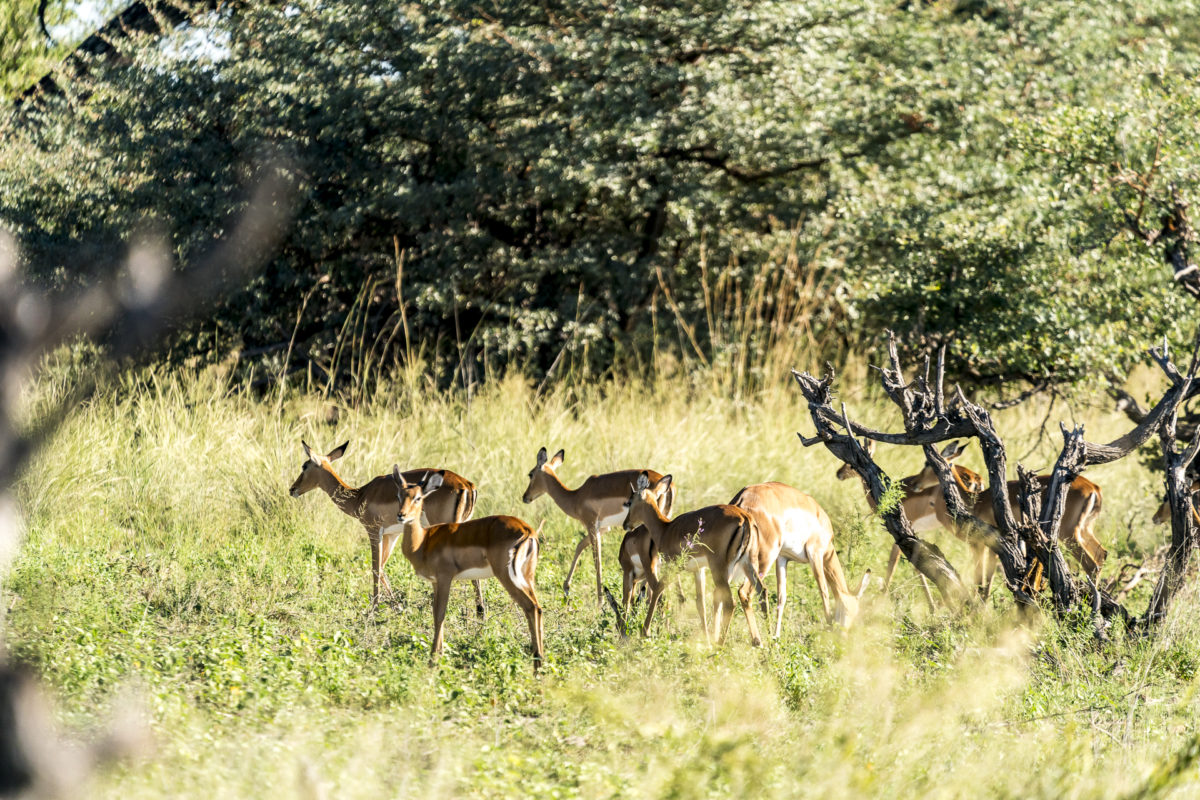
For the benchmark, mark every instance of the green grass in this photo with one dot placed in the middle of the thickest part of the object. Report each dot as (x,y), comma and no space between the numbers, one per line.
(164,556)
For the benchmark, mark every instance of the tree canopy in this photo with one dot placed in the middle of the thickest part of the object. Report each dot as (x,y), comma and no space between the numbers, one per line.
(552,177)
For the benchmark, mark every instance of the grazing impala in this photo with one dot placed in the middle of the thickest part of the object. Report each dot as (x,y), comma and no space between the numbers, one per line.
(793,527)
(598,503)
(374,505)
(721,538)
(504,548)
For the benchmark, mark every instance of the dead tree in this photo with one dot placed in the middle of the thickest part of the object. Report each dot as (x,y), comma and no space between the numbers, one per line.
(1022,544)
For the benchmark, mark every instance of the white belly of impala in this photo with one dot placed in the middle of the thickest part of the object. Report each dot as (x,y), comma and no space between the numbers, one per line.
(477,574)
(614,521)
(638,569)
(929,522)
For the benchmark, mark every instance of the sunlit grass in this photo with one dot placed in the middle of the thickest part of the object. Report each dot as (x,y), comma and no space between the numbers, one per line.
(164,553)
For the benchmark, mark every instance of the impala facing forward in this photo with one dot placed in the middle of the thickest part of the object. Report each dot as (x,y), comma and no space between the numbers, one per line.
(504,548)
(722,538)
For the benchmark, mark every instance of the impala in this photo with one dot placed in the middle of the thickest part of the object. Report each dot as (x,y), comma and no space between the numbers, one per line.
(1076,532)
(504,548)
(374,505)
(792,526)
(598,504)
(918,504)
(722,538)
(1163,514)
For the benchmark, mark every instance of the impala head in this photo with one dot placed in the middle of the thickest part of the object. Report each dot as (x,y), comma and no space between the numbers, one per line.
(412,495)
(845,471)
(968,480)
(541,471)
(1163,514)
(643,499)
(314,464)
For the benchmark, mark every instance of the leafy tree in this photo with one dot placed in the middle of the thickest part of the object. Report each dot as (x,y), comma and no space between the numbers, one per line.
(548,174)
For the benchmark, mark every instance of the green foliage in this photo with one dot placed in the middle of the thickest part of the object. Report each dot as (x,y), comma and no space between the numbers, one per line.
(580,183)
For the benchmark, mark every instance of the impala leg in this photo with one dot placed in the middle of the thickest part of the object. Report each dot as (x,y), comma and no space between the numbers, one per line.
(747,608)
(977,556)
(893,560)
(991,561)
(441,598)
(376,557)
(584,542)
(479,607)
(526,599)
(817,562)
(595,539)
(722,606)
(700,609)
(928,594)
(656,588)
(781,582)
(627,583)
(389,545)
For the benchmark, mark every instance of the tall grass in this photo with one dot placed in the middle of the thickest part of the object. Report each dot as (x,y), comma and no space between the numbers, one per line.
(164,553)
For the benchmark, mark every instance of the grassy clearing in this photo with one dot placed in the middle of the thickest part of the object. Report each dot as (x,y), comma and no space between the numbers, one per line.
(164,554)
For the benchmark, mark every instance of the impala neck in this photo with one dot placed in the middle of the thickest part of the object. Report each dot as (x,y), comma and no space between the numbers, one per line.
(867,491)
(566,499)
(344,496)
(654,520)
(412,540)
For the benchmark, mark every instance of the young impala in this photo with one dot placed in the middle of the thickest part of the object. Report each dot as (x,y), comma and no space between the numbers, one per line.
(504,548)
(721,538)
(374,505)
(598,504)
(793,527)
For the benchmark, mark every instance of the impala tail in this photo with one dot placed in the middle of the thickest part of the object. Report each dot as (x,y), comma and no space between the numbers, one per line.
(466,505)
(523,565)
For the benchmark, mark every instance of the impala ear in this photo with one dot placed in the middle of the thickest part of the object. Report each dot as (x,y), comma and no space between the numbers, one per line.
(663,484)
(869,446)
(643,483)
(541,457)
(954,450)
(432,483)
(398,476)
(338,451)
(557,460)
(308,453)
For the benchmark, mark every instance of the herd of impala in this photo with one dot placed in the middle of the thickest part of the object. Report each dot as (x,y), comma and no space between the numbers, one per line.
(428,511)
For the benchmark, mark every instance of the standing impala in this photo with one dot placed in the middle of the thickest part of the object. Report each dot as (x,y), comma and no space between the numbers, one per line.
(504,548)
(1076,532)
(374,505)
(722,538)
(793,527)
(598,504)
